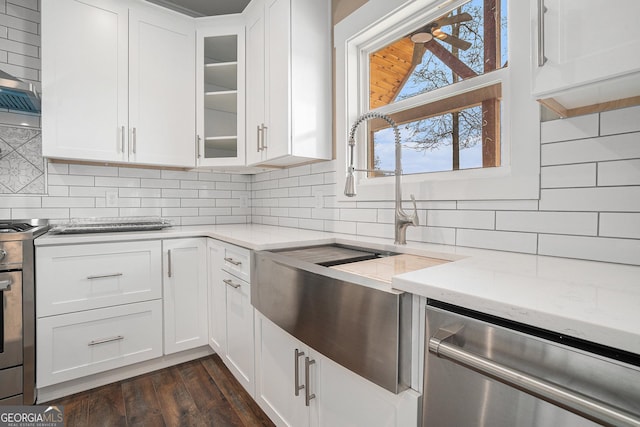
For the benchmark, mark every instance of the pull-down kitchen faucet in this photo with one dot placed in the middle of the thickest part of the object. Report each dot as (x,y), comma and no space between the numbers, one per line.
(403,219)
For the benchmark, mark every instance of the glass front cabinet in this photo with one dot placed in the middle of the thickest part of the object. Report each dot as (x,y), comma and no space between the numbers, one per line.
(220,75)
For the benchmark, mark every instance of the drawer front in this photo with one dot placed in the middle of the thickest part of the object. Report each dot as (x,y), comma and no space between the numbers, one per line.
(79,344)
(11,382)
(10,254)
(84,277)
(237,261)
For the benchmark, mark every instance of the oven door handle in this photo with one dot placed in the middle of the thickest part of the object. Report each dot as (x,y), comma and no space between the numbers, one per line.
(5,285)
(573,401)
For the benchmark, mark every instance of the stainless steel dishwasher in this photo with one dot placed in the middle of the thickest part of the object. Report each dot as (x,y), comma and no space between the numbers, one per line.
(486,371)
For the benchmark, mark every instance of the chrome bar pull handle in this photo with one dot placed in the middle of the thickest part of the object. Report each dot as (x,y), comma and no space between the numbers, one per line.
(307,395)
(135,139)
(122,136)
(169,263)
(541,11)
(198,146)
(296,374)
(230,283)
(258,138)
(264,145)
(573,401)
(105,340)
(103,276)
(233,261)
(5,285)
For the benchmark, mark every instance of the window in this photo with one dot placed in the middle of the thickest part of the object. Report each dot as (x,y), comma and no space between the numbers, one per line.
(462,131)
(455,76)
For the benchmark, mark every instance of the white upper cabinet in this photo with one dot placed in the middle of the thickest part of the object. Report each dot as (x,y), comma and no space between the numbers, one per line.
(118,83)
(585,53)
(220,91)
(288,81)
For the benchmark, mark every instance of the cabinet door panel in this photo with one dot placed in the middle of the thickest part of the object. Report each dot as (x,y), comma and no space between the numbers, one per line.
(185,294)
(217,300)
(577,53)
(162,91)
(278,75)
(240,340)
(84,79)
(255,49)
(275,378)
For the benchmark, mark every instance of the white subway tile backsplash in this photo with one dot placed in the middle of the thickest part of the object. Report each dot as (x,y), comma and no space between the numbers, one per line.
(159,183)
(90,191)
(171,174)
(623,172)
(127,202)
(160,203)
(138,173)
(437,235)
(384,231)
(311,224)
(314,179)
(567,129)
(17,10)
(23,61)
(344,227)
(231,185)
(197,203)
(68,202)
(288,182)
(30,4)
(215,194)
(140,212)
(288,222)
(625,225)
(300,192)
(23,37)
(300,170)
(215,211)
(566,176)
(582,223)
(601,199)
(102,181)
(488,205)
(58,190)
(321,167)
(181,194)
(75,180)
(51,213)
(361,215)
(5,213)
(58,168)
(19,24)
(139,192)
(20,202)
(93,212)
(620,121)
(625,251)
(498,240)
(461,219)
(102,171)
(615,147)
(198,220)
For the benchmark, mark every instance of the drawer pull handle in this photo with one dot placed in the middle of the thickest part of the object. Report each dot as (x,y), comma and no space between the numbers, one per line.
(230,283)
(233,261)
(103,276)
(296,373)
(106,340)
(5,285)
(169,263)
(307,394)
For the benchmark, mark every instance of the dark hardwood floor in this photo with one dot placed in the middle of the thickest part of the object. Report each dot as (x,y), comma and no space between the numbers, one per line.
(198,393)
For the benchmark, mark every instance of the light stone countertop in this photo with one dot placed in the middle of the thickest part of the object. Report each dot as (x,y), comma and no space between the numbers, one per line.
(595,301)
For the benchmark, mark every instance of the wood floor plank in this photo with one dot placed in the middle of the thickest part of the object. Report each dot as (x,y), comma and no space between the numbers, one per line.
(141,403)
(76,409)
(213,405)
(176,404)
(106,406)
(244,405)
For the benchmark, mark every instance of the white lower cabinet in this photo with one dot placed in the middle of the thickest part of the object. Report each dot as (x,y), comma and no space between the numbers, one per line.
(230,311)
(185,294)
(296,386)
(75,345)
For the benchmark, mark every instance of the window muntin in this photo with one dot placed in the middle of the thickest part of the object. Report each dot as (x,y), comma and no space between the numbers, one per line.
(463,133)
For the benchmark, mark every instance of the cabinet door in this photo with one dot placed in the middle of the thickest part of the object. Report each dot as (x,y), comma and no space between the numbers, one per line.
(162,88)
(220,92)
(255,50)
(185,294)
(275,375)
(277,137)
(84,79)
(346,399)
(217,299)
(240,341)
(578,48)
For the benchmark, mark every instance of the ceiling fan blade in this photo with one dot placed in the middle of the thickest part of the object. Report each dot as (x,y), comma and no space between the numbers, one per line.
(452,19)
(452,40)
(418,52)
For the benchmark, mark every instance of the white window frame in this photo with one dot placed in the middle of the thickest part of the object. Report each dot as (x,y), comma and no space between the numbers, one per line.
(380,22)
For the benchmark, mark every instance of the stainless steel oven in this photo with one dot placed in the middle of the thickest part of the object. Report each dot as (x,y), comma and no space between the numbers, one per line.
(17,310)
(485,371)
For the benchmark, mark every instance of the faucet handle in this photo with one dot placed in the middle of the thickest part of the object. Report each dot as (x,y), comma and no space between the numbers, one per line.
(414,218)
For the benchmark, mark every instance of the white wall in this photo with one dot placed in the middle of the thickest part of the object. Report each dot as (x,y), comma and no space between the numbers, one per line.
(79,190)
(589,206)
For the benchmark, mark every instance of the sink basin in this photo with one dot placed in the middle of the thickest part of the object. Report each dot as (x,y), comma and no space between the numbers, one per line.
(332,255)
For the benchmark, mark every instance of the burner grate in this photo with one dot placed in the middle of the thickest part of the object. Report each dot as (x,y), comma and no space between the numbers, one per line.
(8,227)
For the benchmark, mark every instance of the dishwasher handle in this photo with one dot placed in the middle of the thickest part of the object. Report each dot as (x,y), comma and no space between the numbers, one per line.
(573,401)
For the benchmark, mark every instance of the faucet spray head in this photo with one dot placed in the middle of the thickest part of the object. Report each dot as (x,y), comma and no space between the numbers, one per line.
(350,185)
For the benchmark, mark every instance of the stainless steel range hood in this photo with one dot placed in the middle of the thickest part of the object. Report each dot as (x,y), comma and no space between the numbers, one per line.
(18,95)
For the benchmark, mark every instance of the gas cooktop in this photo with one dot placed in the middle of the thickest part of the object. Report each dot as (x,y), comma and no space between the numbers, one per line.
(22,229)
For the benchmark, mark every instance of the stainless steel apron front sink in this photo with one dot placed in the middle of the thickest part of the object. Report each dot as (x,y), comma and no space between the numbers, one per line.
(365,329)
